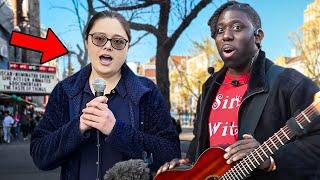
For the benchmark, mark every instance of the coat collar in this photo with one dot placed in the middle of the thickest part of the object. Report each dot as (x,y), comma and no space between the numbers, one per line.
(259,68)
(258,79)
(135,88)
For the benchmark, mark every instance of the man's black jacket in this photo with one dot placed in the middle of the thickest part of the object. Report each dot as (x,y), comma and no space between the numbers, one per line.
(291,93)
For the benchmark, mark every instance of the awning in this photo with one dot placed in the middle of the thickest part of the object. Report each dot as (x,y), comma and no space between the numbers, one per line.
(15,98)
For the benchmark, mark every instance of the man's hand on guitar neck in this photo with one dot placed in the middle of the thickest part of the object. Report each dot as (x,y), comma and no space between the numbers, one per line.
(172,164)
(241,148)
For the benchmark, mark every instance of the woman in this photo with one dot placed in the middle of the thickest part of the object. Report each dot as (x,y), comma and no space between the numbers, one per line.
(15,131)
(133,119)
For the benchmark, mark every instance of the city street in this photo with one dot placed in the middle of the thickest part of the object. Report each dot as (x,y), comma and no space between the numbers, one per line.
(16,163)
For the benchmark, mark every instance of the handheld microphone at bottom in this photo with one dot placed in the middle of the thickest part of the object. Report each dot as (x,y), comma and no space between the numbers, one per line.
(98,85)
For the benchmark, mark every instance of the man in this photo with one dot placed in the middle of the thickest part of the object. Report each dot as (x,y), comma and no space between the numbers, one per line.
(227,95)
(7,124)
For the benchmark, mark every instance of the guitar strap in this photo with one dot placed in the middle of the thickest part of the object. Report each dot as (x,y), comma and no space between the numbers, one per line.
(253,113)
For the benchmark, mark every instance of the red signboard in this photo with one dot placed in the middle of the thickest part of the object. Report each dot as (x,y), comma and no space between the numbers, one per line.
(32,67)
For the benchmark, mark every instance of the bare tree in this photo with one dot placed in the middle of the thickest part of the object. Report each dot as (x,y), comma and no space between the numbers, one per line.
(154,17)
(208,47)
(309,50)
(160,12)
(189,83)
(78,8)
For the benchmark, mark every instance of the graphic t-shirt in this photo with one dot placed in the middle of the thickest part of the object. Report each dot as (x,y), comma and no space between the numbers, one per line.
(223,118)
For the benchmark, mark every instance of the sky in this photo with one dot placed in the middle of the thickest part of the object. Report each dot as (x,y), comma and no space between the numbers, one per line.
(278,17)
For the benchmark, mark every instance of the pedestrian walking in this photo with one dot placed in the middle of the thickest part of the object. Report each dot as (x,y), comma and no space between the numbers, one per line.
(7,124)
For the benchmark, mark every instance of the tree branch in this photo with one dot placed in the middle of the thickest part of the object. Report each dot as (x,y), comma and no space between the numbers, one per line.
(164,14)
(76,8)
(133,7)
(144,27)
(80,56)
(186,22)
(91,9)
(309,55)
(139,39)
(83,6)
(64,8)
(184,78)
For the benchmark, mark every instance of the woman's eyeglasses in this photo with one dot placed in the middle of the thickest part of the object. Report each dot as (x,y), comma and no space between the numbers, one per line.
(100,39)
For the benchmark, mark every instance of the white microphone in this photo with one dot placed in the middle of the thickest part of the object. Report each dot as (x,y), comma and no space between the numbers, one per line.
(98,85)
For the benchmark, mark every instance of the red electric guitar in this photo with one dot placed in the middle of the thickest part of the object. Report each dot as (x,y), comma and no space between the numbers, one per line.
(212,166)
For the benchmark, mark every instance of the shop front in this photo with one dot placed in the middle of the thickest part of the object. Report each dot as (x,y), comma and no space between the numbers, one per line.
(22,85)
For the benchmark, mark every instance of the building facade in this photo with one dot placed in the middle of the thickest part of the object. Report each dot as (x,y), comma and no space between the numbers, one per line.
(23,81)
(6,27)
(306,58)
(26,20)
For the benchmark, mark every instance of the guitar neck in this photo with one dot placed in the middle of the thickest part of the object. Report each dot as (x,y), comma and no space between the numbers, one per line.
(256,157)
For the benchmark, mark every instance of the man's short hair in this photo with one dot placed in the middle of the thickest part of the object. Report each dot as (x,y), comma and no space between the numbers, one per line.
(233,5)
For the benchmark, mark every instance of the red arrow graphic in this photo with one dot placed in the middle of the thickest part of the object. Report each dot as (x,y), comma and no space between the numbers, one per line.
(50,47)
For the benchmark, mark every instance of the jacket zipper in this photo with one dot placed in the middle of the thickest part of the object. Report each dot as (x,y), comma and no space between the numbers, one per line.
(257,92)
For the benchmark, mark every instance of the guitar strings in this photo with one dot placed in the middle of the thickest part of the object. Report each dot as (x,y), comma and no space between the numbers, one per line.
(287,132)
(299,118)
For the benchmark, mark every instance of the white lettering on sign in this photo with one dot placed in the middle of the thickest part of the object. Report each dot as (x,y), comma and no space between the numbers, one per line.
(27,82)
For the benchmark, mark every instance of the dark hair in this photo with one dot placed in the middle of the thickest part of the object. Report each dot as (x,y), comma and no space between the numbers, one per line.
(233,5)
(110,14)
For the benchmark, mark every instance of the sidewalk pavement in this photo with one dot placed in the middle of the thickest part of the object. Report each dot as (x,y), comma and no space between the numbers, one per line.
(16,163)
(186,134)
(185,138)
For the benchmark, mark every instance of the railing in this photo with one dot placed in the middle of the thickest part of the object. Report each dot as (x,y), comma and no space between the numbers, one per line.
(186,119)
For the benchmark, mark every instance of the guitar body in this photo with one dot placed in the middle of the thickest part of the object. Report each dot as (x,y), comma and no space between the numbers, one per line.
(209,166)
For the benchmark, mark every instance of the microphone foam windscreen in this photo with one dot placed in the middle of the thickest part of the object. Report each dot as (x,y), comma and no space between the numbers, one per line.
(133,169)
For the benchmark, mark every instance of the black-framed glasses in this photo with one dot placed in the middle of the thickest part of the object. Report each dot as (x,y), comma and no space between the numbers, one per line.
(101,39)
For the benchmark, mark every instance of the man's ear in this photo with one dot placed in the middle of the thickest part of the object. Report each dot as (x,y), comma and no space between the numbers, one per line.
(258,35)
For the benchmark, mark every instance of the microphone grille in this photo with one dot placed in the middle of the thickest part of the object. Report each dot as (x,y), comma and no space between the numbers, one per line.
(99,85)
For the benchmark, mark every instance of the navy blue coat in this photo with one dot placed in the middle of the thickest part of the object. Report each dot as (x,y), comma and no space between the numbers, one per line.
(57,139)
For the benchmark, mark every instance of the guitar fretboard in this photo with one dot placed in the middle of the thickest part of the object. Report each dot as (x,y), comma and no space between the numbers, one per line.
(244,167)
